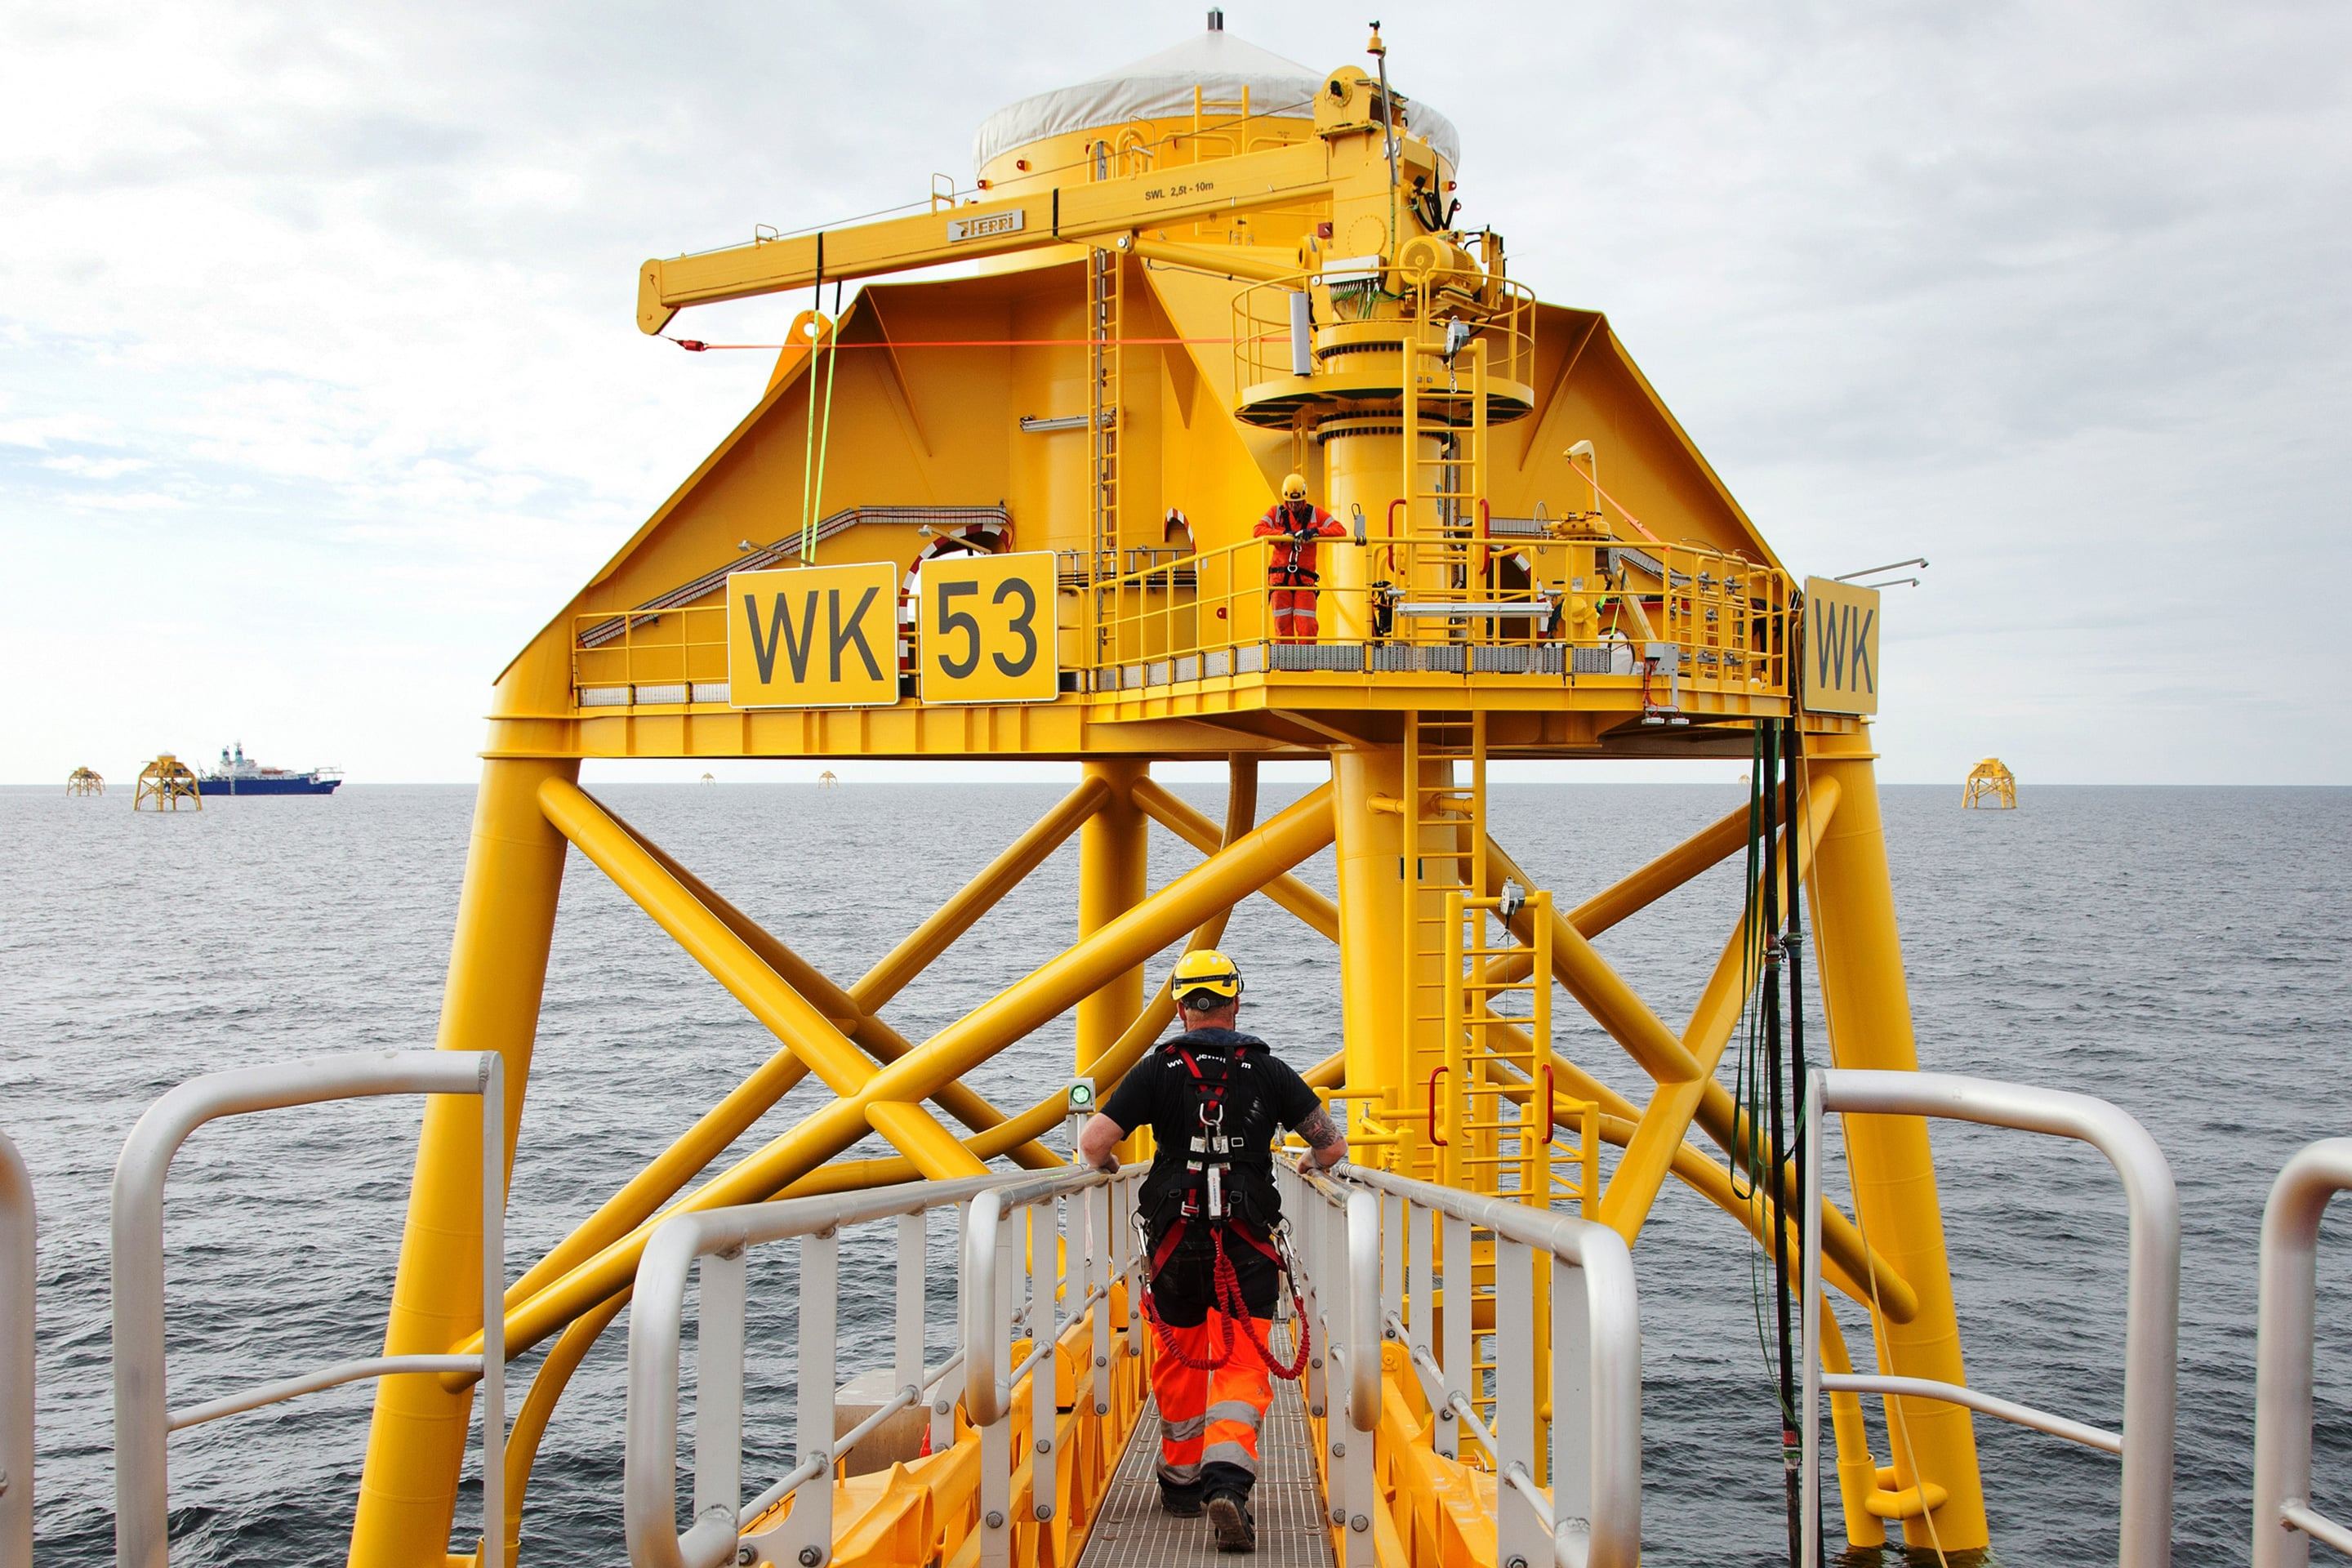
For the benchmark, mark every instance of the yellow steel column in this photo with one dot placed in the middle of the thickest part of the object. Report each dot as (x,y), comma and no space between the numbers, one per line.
(1894,1173)
(498,964)
(1111,849)
(1368,787)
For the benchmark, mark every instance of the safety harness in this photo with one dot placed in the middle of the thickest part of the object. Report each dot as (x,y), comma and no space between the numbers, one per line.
(1206,1198)
(1294,547)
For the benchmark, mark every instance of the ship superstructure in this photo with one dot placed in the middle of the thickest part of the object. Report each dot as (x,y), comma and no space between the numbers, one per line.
(240,774)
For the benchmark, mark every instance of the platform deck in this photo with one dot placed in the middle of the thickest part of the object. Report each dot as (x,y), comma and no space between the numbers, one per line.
(1132,1531)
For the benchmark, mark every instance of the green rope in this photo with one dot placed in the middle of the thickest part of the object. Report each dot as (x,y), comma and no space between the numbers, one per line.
(824,439)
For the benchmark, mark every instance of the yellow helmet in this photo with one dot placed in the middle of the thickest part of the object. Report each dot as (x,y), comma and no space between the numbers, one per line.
(1294,486)
(1205,970)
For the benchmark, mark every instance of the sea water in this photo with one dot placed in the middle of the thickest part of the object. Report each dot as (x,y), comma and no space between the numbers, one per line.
(2180,952)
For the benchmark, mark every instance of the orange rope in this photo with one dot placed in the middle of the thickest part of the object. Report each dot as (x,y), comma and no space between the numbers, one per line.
(1613,500)
(696,345)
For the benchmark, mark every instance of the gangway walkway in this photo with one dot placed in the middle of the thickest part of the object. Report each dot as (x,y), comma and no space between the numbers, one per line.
(1132,1531)
(1048,1321)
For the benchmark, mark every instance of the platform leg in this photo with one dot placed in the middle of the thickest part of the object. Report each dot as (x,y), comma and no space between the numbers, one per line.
(1369,840)
(1894,1172)
(1111,882)
(498,966)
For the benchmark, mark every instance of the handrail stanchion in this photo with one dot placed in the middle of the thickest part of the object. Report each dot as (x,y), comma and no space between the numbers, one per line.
(2285,1524)
(989,1231)
(718,1392)
(142,1422)
(808,1528)
(2152,1308)
(19,1225)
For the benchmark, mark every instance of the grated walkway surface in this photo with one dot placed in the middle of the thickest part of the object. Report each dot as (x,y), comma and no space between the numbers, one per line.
(1132,1531)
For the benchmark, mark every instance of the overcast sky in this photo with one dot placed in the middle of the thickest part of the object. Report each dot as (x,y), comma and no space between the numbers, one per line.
(319,388)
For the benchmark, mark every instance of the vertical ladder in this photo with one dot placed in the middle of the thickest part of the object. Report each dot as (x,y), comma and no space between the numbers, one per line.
(1104,276)
(1443,837)
(1445,406)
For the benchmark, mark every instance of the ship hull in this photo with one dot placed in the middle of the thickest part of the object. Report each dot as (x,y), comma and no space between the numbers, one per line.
(268,786)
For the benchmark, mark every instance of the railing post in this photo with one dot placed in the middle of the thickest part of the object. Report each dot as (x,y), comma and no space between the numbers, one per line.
(491,1398)
(719,1393)
(994,1306)
(1366,1313)
(1102,1267)
(1421,1316)
(18,1223)
(1044,1393)
(809,1527)
(1459,1360)
(2284,1355)
(1519,1532)
(1572,1415)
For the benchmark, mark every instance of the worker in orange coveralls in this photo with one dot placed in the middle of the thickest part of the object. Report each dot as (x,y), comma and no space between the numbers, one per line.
(1295,523)
(1214,1099)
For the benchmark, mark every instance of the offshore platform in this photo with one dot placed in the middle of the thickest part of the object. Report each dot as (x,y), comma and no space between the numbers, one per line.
(1029,511)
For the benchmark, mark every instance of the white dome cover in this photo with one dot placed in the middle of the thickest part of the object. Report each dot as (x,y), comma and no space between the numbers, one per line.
(1160,87)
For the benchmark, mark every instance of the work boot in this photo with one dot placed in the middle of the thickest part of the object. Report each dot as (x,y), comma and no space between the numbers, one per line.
(1230,1522)
(1184,1502)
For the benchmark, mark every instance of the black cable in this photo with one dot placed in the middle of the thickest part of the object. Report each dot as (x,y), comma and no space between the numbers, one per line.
(1781,839)
(1793,753)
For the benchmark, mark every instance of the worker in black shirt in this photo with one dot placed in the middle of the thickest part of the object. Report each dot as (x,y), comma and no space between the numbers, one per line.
(1215,1100)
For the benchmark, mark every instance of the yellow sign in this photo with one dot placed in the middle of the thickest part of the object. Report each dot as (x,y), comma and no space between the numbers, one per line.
(822,637)
(985,628)
(1840,654)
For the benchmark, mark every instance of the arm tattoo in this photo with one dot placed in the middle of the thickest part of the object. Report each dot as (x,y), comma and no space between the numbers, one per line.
(1317,1130)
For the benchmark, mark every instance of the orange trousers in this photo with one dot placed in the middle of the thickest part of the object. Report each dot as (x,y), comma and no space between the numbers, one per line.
(1209,1420)
(1294,614)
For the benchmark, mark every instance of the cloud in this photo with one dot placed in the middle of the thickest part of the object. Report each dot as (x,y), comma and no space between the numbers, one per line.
(2049,294)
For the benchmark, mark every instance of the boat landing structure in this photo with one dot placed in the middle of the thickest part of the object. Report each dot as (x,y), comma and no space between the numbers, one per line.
(1012,514)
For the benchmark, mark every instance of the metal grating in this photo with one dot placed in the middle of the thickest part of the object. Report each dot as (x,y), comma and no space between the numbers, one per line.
(1132,1532)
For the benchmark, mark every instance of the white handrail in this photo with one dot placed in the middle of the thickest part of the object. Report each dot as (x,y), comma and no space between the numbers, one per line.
(142,1424)
(18,1226)
(1338,1228)
(2152,1308)
(1593,1517)
(717,1238)
(1078,1276)
(2285,1521)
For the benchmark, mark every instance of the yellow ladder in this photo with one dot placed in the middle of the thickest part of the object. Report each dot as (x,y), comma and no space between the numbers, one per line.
(1446,480)
(1444,839)
(1105,273)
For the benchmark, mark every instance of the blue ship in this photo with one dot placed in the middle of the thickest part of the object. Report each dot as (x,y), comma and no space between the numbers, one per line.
(239,775)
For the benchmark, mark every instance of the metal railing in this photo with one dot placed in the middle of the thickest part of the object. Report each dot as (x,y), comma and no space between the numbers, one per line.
(1664,620)
(18,1226)
(1591,1515)
(1079,1241)
(1517,600)
(1369,305)
(2285,1521)
(717,1240)
(2152,1310)
(142,1422)
(1338,1226)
